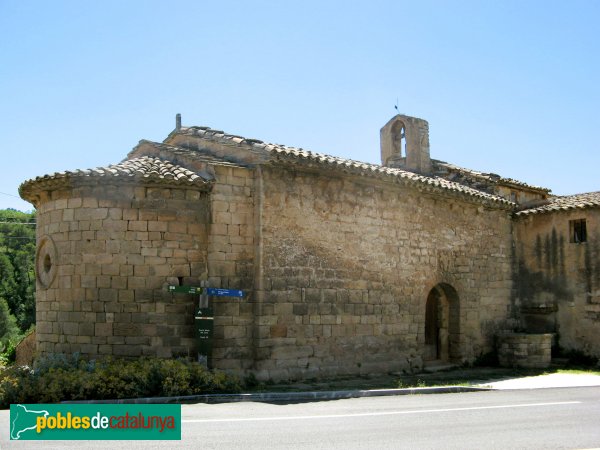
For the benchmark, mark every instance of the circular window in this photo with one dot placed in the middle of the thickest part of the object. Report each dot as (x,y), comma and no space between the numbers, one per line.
(45,262)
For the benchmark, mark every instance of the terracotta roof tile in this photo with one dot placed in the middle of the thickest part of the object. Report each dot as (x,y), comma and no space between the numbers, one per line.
(143,169)
(363,168)
(277,152)
(442,166)
(565,203)
(165,151)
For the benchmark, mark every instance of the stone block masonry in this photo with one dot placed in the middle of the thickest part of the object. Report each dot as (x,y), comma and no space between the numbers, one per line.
(336,271)
(231,264)
(559,278)
(116,249)
(348,267)
(524,350)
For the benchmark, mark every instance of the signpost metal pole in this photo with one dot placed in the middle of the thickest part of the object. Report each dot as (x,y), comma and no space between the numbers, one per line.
(204,317)
(204,327)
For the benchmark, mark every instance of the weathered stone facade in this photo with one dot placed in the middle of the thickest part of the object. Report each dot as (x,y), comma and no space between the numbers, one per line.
(347,267)
(558,273)
(525,350)
(109,248)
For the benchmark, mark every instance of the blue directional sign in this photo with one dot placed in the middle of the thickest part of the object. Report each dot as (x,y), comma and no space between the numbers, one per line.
(224,292)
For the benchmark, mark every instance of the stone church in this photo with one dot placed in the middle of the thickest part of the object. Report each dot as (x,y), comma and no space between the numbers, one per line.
(347,267)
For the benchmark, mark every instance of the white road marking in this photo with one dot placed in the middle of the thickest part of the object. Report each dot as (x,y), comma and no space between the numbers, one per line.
(386,413)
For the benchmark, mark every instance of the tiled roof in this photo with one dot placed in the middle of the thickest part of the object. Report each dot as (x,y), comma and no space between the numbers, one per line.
(143,169)
(484,178)
(361,168)
(282,153)
(565,203)
(164,151)
(209,133)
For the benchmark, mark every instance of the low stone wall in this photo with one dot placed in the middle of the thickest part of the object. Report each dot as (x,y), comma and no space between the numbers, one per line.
(524,350)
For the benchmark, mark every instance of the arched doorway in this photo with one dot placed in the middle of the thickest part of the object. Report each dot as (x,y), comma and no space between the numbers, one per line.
(442,324)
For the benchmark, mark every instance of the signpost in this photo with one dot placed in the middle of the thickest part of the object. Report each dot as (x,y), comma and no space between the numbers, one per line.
(186,289)
(204,318)
(204,330)
(224,292)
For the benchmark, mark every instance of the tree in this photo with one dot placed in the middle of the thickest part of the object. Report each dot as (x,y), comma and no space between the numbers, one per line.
(17,274)
(8,326)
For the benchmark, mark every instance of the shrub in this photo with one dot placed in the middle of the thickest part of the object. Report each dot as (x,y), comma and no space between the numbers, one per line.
(9,353)
(57,378)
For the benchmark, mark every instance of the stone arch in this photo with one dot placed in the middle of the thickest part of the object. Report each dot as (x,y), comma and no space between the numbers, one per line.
(442,324)
(399,139)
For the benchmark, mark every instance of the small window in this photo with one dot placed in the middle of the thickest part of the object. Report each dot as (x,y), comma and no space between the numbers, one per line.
(514,197)
(578,231)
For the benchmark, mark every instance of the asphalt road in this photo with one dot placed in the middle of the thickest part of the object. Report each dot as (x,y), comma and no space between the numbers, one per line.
(524,419)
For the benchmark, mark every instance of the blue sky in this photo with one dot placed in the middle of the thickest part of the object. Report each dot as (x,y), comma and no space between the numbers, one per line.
(509,87)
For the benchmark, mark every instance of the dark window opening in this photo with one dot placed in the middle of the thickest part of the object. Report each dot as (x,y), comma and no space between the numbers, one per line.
(47,263)
(578,231)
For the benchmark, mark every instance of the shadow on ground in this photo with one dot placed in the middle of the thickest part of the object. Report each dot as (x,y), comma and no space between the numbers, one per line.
(453,377)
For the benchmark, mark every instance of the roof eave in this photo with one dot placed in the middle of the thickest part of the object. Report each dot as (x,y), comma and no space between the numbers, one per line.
(425,184)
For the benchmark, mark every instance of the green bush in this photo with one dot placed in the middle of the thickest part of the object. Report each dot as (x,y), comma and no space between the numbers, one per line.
(58,378)
(9,353)
(9,332)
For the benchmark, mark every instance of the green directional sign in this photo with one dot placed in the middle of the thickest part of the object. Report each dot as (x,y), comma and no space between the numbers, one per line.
(185,289)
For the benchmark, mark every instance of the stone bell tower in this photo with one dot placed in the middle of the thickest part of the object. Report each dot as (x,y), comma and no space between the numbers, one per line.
(405,144)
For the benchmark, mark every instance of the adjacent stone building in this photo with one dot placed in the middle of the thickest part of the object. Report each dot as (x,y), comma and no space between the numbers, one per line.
(347,267)
(557,270)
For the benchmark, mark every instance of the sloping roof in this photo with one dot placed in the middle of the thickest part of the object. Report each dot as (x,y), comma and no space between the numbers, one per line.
(209,134)
(565,203)
(481,178)
(219,135)
(275,153)
(172,152)
(199,162)
(281,153)
(138,170)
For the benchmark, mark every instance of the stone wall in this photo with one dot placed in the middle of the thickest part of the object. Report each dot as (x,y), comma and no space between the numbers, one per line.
(231,264)
(348,266)
(519,195)
(558,281)
(105,255)
(525,350)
